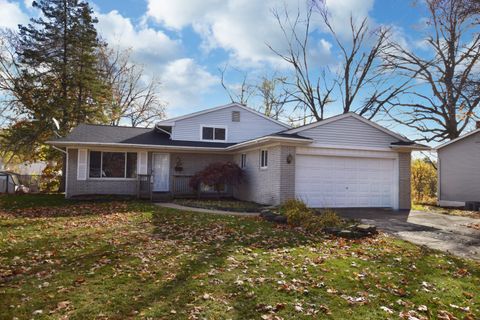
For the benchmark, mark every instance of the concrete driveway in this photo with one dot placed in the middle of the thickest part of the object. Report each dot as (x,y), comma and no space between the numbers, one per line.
(437,231)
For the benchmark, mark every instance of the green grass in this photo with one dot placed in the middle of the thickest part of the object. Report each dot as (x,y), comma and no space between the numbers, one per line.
(33,200)
(135,260)
(221,204)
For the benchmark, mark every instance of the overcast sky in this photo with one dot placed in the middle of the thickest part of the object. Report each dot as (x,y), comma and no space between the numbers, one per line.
(185,42)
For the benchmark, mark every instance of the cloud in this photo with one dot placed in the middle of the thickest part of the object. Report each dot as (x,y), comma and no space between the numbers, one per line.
(184,82)
(243,28)
(341,10)
(11,15)
(148,45)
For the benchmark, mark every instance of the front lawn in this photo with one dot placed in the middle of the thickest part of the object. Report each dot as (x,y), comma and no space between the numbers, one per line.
(450,211)
(221,204)
(135,260)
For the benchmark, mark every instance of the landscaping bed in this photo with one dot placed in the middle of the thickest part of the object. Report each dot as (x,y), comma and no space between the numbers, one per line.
(233,205)
(449,211)
(137,261)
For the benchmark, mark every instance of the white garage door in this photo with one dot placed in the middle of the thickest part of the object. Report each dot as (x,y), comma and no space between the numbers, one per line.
(336,182)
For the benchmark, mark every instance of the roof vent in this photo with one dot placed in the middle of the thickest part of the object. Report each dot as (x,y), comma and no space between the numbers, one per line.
(235,116)
(478,125)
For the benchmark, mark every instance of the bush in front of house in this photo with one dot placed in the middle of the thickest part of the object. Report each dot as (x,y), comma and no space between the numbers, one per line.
(218,175)
(299,215)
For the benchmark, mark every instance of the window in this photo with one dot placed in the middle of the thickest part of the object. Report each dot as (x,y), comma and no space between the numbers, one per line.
(243,160)
(113,164)
(235,116)
(264,159)
(212,133)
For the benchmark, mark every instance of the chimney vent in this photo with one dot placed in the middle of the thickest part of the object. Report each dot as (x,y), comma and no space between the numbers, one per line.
(478,125)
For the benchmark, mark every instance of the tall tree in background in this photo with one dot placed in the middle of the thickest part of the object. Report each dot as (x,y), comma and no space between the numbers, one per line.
(59,76)
(443,102)
(361,82)
(133,97)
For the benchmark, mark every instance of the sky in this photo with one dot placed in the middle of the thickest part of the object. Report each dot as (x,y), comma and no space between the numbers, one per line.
(184,43)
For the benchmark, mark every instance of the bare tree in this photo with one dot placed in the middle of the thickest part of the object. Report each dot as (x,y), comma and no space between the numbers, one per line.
(442,103)
(304,92)
(134,97)
(361,82)
(272,95)
(244,91)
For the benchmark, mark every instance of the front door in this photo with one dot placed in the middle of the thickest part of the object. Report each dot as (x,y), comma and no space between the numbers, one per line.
(161,172)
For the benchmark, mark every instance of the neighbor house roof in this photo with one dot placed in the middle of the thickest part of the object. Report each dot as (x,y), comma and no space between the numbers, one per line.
(458,139)
(171,121)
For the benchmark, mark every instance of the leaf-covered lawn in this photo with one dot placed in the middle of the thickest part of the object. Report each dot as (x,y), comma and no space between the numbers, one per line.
(135,260)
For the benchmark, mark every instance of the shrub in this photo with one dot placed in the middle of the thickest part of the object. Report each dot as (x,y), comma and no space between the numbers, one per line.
(296,212)
(217,175)
(424,181)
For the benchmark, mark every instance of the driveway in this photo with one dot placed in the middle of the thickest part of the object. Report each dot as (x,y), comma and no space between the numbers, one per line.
(437,231)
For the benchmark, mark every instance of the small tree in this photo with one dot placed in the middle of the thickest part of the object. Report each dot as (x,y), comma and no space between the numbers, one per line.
(424,181)
(218,174)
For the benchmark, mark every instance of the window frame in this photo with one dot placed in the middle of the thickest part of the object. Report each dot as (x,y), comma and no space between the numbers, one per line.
(263,158)
(101,165)
(213,127)
(243,160)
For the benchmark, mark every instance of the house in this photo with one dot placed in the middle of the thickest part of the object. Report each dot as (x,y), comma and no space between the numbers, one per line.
(343,161)
(459,170)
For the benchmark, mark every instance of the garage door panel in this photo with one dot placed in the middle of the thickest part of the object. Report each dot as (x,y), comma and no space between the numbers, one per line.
(325,181)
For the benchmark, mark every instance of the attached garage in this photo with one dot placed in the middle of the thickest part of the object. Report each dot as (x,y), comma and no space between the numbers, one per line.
(344,181)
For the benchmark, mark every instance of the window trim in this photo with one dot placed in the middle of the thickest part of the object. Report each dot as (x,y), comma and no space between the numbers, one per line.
(243,160)
(214,127)
(124,178)
(263,164)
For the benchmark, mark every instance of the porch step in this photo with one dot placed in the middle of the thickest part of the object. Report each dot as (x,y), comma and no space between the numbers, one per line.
(162,197)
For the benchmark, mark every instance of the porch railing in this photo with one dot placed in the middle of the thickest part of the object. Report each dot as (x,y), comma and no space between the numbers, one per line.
(181,185)
(144,186)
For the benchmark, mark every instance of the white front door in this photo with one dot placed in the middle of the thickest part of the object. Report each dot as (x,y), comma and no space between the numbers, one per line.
(161,172)
(326,181)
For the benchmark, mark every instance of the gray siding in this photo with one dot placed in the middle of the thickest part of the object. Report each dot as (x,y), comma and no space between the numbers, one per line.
(272,185)
(459,172)
(191,162)
(404,167)
(250,126)
(94,186)
(349,132)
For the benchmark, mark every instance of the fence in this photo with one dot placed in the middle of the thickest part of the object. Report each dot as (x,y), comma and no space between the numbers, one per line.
(40,183)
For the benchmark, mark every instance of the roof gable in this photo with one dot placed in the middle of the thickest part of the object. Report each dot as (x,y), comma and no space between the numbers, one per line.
(344,116)
(458,139)
(171,121)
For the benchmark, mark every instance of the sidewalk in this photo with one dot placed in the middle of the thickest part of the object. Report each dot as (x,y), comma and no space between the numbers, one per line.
(220,212)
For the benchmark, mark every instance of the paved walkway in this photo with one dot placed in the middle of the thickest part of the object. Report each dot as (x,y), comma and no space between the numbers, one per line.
(437,231)
(221,212)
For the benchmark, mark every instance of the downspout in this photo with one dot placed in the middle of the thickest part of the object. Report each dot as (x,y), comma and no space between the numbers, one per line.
(58,149)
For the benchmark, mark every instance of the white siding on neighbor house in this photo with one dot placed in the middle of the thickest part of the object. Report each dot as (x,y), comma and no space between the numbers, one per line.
(459,171)
(349,132)
(249,127)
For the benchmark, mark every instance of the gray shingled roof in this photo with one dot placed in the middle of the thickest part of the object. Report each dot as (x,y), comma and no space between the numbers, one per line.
(144,136)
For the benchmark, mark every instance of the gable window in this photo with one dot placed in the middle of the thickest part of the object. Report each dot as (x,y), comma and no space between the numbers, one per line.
(264,159)
(214,133)
(112,164)
(243,160)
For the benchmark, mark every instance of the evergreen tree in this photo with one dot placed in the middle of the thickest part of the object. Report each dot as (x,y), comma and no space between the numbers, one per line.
(59,74)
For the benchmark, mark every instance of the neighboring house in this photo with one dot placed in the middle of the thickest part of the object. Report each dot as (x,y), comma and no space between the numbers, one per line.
(343,161)
(459,170)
